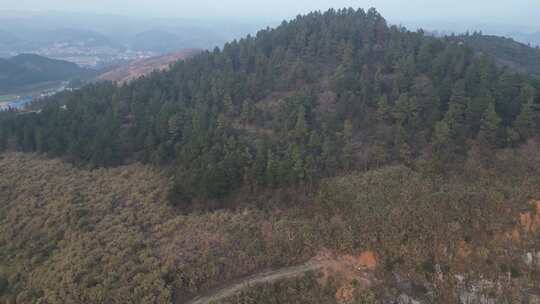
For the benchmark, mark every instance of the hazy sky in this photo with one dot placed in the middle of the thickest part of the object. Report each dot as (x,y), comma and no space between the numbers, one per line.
(526,12)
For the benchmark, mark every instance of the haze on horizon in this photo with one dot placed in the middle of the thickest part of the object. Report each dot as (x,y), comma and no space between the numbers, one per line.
(516,12)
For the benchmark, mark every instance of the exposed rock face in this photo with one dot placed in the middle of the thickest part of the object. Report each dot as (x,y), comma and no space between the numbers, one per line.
(352,272)
(367,259)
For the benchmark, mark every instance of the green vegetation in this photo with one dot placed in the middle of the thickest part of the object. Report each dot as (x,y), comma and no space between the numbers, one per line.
(331,132)
(323,94)
(505,51)
(27,70)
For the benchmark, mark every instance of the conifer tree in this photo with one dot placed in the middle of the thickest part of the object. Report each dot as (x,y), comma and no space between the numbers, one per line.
(348,145)
(383,110)
(300,127)
(489,127)
(525,123)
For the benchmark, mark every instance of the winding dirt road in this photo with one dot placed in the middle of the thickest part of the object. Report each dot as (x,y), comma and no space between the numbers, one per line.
(265,277)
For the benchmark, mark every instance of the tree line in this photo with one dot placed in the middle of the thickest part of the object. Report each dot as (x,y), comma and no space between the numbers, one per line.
(320,95)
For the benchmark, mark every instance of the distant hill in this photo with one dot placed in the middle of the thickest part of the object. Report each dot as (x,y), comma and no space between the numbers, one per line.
(138,68)
(28,69)
(142,67)
(172,39)
(8,41)
(78,36)
(157,41)
(532,38)
(8,38)
(506,52)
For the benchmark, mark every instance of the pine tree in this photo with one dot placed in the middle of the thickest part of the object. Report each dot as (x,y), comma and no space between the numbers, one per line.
(407,117)
(28,143)
(248,111)
(329,155)
(383,110)
(401,108)
(271,169)
(525,123)
(455,120)
(489,127)
(40,141)
(175,125)
(441,145)
(297,160)
(476,109)
(230,109)
(300,127)
(405,153)
(348,145)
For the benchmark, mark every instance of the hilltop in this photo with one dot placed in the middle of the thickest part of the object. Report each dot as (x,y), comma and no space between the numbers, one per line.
(319,95)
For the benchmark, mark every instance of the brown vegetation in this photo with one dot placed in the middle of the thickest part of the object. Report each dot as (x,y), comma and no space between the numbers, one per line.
(143,67)
(70,235)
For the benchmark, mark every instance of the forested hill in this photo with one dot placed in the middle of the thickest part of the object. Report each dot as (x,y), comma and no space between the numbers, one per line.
(320,95)
(505,51)
(29,69)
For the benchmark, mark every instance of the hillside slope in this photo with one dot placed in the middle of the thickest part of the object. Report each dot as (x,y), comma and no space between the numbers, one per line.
(318,96)
(71,235)
(410,161)
(506,52)
(143,67)
(28,69)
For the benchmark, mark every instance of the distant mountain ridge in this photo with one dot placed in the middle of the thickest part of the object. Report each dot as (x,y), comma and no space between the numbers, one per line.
(29,69)
(153,40)
(173,39)
(78,36)
(6,37)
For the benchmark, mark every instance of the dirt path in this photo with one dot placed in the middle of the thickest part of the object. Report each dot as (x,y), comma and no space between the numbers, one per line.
(265,277)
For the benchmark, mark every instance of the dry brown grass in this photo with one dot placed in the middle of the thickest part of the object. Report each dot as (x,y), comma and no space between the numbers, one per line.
(70,235)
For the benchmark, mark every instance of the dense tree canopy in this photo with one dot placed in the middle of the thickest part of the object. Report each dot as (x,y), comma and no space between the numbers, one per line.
(319,95)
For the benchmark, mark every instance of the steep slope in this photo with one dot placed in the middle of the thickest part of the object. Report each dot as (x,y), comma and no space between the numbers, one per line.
(143,67)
